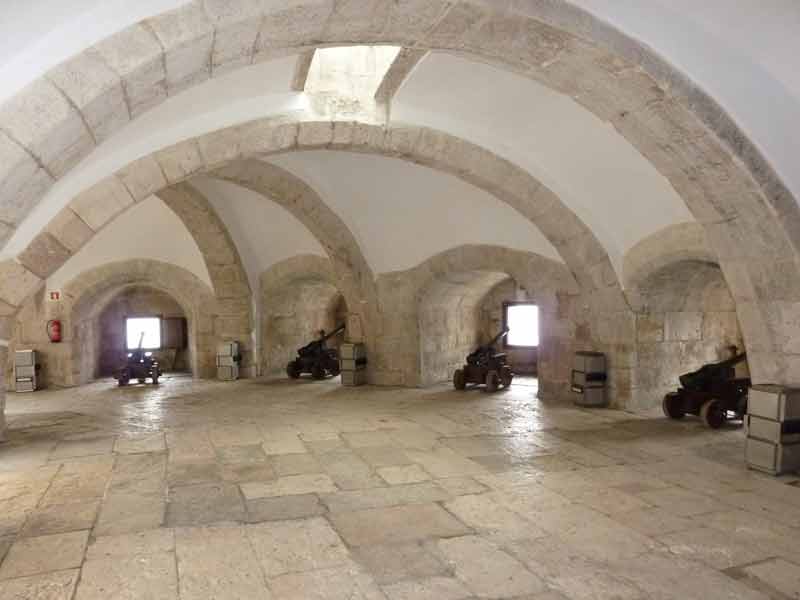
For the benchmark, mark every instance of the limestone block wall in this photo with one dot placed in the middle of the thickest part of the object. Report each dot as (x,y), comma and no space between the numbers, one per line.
(110,329)
(75,359)
(450,320)
(688,318)
(292,317)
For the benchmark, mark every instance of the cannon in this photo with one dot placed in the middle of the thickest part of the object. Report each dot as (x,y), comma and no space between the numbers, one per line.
(316,358)
(713,393)
(485,366)
(139,365)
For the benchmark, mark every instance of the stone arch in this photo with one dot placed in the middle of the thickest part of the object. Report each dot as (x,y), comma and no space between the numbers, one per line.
(229,153)
(88,293)
(233,317)
(480,268)
(720,173)
(284,283)
(684,241)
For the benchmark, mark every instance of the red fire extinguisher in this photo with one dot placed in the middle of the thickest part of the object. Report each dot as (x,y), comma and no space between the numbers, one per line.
(54,330)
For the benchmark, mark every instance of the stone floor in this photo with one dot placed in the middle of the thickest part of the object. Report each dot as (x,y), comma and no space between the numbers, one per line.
(312,491)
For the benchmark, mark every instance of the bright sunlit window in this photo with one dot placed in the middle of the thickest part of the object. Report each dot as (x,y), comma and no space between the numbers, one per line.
(149,326)
(523,323)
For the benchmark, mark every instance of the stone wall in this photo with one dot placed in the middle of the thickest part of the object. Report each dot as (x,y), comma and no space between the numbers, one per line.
(136,302)
(293,316)
(687,318)
(75,359)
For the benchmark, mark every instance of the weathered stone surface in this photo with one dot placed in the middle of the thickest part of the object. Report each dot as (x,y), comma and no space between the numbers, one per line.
(235,29)
(143,177)
(43,122)
(22,181)
(16,282)
(187,37)
(44,255)
(179,161)
(69,230)
(30,556)
(95,90)
(135,54)
(102,202)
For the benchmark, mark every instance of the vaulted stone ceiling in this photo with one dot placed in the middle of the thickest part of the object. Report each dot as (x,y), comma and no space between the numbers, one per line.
(593,141)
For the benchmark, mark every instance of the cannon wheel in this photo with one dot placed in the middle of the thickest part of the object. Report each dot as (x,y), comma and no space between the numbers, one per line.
(292,371)
(459,381)
(123,378)
(318,372)
(712,414)
(506,377)
(492,381)
(672,406)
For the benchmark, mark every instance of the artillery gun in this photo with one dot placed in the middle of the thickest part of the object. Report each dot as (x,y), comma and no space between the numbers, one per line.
(139,365)
(485,366)
(713,393)
(316,358)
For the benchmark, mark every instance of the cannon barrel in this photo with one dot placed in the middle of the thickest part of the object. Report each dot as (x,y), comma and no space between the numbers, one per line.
(336,331)
(703,378)
(499,337)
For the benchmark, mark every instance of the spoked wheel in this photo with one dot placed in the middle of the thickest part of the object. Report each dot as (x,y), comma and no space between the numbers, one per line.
(459,381)
(506,377)
(318,372)
(292,371)
(492,381)
(673,406)
(712,414)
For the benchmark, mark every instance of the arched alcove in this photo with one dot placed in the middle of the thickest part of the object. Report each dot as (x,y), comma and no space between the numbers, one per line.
(136,302)
(687,318)
(299,297)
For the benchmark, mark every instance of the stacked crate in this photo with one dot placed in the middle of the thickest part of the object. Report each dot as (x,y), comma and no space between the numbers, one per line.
(589,379)
(25,370)
(773,429)
(228,359)
(353,364)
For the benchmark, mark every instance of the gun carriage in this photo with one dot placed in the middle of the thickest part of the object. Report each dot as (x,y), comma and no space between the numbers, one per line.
(139,365)
(713,393)
(316,358)
(485,366)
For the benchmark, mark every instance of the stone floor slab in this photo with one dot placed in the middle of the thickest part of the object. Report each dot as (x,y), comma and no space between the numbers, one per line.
(432,588)
(295,546)
(396,524)
(291,485)
(30,556)
(284,508)
(486,570)
(140,442)
(295,464)
(49,586)
(61,518)
(403,474)
(154,541)
(326,584)
(219,563)
(143,577)
(391,563)
(204,504)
